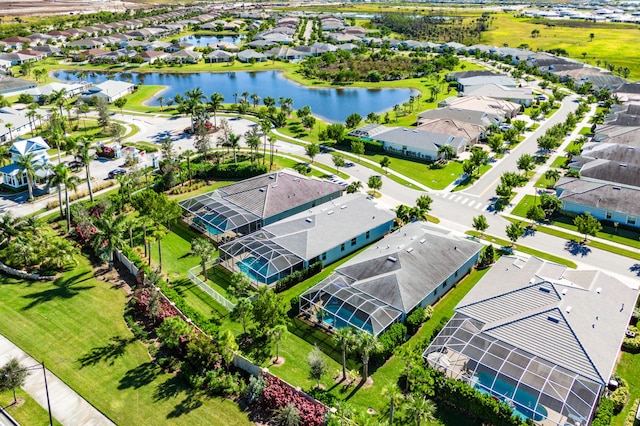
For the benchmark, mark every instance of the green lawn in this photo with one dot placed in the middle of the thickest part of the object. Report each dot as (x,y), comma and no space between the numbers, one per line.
(76,326)
(427,174)
(176,251)
(629,369)
(29,413)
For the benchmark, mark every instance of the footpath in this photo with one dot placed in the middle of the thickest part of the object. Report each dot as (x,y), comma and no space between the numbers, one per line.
(67,406)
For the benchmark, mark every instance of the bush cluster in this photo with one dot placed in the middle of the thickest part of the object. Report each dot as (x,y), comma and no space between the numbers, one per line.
(277,394)
(81,194)
(227,171)
(415,320)
(298,276)
(604,413)
(395,336)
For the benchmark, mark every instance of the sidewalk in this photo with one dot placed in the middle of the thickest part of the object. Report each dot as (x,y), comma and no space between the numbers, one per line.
(67,406)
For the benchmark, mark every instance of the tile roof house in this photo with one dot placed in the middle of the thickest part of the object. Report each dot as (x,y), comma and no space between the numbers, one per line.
(327,232)
(539,336)
(413,266)
(248,205)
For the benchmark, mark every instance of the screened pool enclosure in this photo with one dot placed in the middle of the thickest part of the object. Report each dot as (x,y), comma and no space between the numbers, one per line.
(534,387)
(336,304)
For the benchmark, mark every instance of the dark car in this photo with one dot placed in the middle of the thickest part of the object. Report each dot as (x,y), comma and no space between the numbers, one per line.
(116,172)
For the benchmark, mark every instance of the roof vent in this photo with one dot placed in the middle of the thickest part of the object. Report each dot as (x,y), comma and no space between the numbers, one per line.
(261,190)
(272,177)
(422,241)
(410,249)
(532,280)
(392,259)
(545,290)
(599,290)
(405,130)
(564,292)
(342,207)
(553,319)
(330,212)
(309,220)
(569,309)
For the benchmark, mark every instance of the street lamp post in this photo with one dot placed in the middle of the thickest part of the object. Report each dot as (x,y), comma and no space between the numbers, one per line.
(46,385)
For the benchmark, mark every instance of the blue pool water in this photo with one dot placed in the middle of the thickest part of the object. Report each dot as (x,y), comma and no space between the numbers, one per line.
(525,403)
(212,230)
(254,268)
(338,316)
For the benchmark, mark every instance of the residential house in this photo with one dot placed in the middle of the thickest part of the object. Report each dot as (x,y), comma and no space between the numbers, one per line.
(185,57)
(85,43)
(13,85)
(471,132)
(18,58)
(18,42)
(251,204)
(219,56)
(286,53)
(251,55)
(520,95)
(110,90)
(13,175)
(539,336)
(327,232)
(469,84)
(71,89)
(417,143)
(412,267)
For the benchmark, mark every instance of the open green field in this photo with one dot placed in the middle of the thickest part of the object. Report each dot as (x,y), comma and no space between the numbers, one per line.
(613,42)
(75,325)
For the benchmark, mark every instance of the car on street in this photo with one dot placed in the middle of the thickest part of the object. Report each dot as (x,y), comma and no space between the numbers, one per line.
(116,172)
(349,164)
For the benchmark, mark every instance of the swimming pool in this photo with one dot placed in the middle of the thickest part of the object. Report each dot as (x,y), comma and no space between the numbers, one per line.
(210,229)
(254,268)
(341,316)
(524,402)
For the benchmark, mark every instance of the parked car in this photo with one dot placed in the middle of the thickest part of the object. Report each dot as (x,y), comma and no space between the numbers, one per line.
(116,172)
(349,164)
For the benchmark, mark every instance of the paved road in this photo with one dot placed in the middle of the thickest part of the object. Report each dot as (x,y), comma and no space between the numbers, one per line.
(67,406)
(484,188)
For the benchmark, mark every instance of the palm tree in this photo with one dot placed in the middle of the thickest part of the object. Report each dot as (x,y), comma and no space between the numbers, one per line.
(265,127)
(447,152)
(5,155)
(255,98)
(423,207)
(160,100)
(215,102)
(110,235)
(82,154)
(345,338)
(10,227)
(395,399)
(272,144)
(277,334)
(234,143)
(28,167)
(421,410)
(59,178)
(158,234)
(552,174)
(367,343)
(204,248)
(9,126)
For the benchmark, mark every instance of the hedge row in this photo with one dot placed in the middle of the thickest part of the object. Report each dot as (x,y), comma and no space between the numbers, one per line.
(228,171)
(298,276)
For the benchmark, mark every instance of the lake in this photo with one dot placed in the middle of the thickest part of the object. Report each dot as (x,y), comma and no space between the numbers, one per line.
(330,104)
(204,40)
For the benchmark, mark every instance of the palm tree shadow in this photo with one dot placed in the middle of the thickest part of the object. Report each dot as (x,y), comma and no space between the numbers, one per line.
(140,376)
(64,288)
(107,353)
(174,387)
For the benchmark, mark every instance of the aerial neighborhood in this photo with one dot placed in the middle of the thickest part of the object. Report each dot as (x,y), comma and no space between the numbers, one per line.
(309,213)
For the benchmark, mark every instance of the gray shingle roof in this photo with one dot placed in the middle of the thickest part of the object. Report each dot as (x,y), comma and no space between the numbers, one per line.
(600,195)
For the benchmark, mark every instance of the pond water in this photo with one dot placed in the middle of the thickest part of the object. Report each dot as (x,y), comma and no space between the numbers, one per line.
(204,40)
(331,104)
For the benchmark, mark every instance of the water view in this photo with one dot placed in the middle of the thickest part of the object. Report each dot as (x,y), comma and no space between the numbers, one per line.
(331,104)
(204,40)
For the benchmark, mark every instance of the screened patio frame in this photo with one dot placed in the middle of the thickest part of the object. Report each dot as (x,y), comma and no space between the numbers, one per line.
(212,210)
(277,262)
(365,309)
(567,397)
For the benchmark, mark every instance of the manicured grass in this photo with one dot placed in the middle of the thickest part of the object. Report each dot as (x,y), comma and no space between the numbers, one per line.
(559,163)
(628,368)
(524,206)
(29,413)
(426,174)
(468,182)
(524,249)
(76,326)
(585,131)
(176,251)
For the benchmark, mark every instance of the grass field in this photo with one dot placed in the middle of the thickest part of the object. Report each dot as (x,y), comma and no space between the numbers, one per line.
(30,413)
(611,42)
(75,324)
(628,368)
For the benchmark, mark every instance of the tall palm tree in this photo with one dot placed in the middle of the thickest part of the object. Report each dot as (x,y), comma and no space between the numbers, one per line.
(421,410)
(204,248)
(215,102)
(234,143)
(277,334)
(160,100)
(10,227)
(56,179)
(82,154)
(110,235)
(255,98)
(28,166)
(395,399)
(272,144)
(345,338)
(367,343)
(9,126)
(158,235)
(265,127)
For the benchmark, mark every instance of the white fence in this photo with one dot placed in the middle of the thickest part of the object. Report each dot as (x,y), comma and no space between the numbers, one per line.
(193,276)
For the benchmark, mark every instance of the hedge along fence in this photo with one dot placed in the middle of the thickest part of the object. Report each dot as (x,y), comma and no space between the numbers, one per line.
(25,275)
(134,265)
(297,277)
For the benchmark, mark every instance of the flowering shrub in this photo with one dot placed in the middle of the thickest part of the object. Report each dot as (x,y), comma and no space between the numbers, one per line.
(153,306)
(106,152)
(277,394)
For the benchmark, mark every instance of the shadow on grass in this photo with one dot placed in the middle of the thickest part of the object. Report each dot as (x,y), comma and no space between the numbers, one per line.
(107,353)
(186,288)
(64,288)
(140,376)
(174,387)
(577,248)
(314,335)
